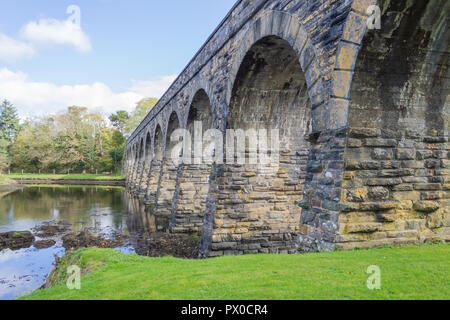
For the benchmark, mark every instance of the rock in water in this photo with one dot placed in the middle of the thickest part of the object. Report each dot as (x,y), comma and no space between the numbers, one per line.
(44,244)
(16,240)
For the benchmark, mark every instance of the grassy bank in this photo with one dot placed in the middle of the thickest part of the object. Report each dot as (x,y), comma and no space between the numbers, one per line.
(93,177)
(6,186)
(5,180)
(407,273)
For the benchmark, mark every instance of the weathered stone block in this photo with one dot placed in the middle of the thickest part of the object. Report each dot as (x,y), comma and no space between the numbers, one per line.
(361,133)
(426,206)
(380,143)
(384,182)
(357,195)
(363,227)
(383,154)
(406,154)
(379,193)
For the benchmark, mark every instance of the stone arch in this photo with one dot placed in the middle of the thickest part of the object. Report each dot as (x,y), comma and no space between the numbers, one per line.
(289,28)
(157,160)
(137,164)
(398,91)
(286,27)
(141,148)
(199,84)
(147,159)
(192,187)
(169,170)
(133,158)
(128,164)
(258,203)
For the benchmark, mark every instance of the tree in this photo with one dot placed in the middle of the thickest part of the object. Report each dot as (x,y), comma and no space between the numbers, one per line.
(74,140)
(142,109)
(9,122)
(4,157)
(119,120)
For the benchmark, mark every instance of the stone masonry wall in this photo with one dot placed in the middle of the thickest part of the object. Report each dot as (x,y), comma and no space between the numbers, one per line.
(364,118)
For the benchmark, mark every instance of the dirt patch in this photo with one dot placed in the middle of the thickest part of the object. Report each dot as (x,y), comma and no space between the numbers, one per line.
(44,244)
(16,240)
(51,229)
(166,244)
(86,239)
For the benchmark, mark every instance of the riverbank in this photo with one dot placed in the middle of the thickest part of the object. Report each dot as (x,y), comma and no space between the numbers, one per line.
(4,181)
(414,272)
(7,186)
(67,179)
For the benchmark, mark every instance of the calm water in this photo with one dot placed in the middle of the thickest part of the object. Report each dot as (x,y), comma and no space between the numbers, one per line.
(102,210)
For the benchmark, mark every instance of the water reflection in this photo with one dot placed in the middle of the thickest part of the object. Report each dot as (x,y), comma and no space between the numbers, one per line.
(142,218)
(93,207)
(102,210)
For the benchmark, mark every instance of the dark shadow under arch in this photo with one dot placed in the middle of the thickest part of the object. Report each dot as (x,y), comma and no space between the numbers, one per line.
(259,203)
(399,121)
(169,170)
(192,187)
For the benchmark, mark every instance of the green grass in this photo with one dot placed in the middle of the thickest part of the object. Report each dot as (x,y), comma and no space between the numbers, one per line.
(64,177)
(5,181)
(415,272)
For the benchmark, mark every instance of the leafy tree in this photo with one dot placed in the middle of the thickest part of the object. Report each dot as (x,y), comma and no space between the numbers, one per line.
(9,122)
(119,120)
(4,157)
(142,109)
(75,140)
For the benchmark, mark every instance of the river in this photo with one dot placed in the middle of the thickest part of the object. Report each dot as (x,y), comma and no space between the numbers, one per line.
(100,209)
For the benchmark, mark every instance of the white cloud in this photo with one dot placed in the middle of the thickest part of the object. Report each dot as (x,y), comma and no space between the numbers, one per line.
(44,32)
(52,31)
(154,88)
(12,50)
(37,98)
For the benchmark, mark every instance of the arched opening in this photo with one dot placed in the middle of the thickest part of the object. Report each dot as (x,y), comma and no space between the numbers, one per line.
(155,171)
(135,161)
(193,186)
(261,186)
(141,167)
(146,164)
(134,173)
(399,120)
(169,170)
(139,164)
(148,148)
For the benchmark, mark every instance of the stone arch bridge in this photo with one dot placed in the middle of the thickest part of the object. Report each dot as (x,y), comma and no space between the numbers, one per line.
(363,117)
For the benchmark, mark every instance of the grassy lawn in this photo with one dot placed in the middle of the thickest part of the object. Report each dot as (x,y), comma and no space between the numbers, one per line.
(64,177)
(416,272)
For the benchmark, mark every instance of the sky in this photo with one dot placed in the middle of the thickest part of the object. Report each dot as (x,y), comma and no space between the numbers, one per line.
(102,54)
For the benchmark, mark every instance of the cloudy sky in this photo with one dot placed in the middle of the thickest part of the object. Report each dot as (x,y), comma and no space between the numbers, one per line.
(102,54)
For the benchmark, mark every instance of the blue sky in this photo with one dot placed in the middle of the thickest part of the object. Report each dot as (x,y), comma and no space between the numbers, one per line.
(122,50)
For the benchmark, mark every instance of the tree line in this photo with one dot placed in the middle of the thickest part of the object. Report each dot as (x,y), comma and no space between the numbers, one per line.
(74,140)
